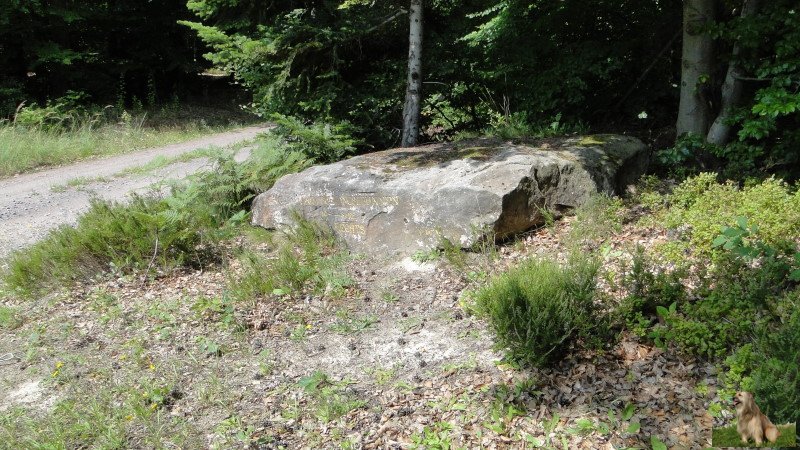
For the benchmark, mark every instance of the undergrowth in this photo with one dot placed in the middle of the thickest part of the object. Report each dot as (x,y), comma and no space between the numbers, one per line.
(308,260)
(182,229)
(737,250)
(539,308)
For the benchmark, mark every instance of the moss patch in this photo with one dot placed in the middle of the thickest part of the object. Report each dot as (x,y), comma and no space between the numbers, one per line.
(588,141)
(430,158)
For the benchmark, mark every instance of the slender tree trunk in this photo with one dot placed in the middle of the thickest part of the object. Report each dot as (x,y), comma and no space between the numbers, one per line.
(411,107)
(694,114)
(720,132)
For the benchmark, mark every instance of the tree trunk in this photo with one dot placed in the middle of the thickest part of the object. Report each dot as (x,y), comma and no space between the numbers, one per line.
(720,132)
(411,107)
(694,113)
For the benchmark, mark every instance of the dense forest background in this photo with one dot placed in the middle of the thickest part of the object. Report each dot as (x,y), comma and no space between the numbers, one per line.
(515,65)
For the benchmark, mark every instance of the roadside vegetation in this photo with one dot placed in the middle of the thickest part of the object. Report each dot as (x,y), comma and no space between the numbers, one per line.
(66,131)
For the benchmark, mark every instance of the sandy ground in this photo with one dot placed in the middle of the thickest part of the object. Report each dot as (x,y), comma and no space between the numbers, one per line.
(30,206)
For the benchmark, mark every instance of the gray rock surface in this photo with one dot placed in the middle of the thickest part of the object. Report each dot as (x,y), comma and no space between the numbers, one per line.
(402,200)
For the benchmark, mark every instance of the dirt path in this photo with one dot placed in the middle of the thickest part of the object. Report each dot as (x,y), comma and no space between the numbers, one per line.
(32,204)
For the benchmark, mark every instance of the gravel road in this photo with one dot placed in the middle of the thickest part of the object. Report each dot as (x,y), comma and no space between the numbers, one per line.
(34,203)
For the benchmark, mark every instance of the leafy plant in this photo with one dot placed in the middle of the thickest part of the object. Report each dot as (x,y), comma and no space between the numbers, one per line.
(433,437)
(329,399)
(9,318)
(700,206)
(540,308)
(776,377)
(321,142)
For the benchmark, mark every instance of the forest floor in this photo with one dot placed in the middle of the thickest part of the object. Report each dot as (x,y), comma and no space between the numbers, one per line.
(397,362)
(32,204)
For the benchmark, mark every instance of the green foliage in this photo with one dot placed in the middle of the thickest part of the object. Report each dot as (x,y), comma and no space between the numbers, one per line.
(320,142)
(768,128)
(648,288)
(181,229)
(597,219)
(681,160)
(9,318)
(139,43)
(749,271)
(423,256)
(329,400)
(323,61)
(109,235)
(64,113)
(539,308)
(308,261)
(700,206)
(73,134)
(737,299)
(433,437)
(776,377)
(516,126)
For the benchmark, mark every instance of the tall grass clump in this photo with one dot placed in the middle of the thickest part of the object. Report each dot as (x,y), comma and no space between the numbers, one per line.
(539,308)
(308,260)
(109,235)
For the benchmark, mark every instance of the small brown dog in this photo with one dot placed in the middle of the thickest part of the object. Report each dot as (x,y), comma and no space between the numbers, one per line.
(753,424)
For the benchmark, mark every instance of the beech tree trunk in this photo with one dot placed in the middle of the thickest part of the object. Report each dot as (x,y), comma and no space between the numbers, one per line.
(413,101)
(720,132)
(694,112)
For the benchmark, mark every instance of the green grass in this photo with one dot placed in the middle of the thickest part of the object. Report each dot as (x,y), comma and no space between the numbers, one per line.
(728,437)
(9,318)
(108,236)
(183,229)
(154,164)
(101,418)
(23,148)
(308,260)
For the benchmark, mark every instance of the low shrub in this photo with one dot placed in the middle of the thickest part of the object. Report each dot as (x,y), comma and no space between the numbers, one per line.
(736,298)
(540,307)
(701,206)
(647,289)
(776,379)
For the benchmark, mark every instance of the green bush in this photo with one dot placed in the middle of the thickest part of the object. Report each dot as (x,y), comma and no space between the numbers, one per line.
(647,288)
(539,308)
(64,113)
(702,206)
(736,299)
(777,378)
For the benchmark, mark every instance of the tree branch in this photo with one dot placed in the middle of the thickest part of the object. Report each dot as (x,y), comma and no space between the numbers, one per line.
(387,20)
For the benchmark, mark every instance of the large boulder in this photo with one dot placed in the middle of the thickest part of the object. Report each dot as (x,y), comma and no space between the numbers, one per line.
(402,200)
